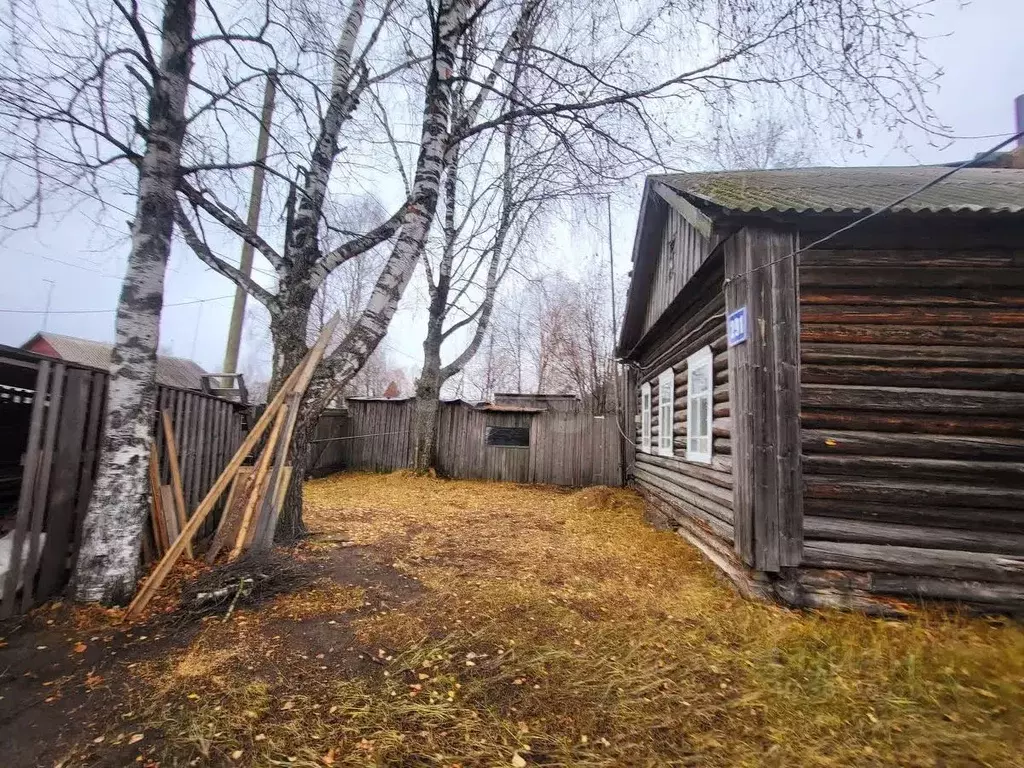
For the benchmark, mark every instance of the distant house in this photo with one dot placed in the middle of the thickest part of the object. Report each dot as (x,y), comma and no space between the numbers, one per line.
(170,371)
(845,426)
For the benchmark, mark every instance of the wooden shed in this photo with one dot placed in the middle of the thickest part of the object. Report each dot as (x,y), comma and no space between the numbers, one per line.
(845,425)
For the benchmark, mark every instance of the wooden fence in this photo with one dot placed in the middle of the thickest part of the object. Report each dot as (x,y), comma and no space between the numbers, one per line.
(60,410)
(570,449)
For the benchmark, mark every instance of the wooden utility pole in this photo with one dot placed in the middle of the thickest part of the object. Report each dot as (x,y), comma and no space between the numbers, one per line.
(252,220)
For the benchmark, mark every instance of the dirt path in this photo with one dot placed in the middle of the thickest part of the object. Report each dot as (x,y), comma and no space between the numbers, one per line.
(483,624)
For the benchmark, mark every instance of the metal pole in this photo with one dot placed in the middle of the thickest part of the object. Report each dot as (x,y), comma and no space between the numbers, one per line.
(611,278)
(252,221)
(619,418)
(611,266)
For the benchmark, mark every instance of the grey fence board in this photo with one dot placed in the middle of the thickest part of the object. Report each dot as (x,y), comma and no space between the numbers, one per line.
(566,448)
(61,456)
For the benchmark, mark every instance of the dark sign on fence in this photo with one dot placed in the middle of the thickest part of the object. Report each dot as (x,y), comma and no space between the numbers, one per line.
(507,437)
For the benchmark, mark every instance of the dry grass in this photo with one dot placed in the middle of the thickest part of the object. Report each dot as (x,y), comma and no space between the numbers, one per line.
(558,629)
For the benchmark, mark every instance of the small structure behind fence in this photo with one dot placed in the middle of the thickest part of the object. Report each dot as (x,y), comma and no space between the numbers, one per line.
(487,442)
(52,415)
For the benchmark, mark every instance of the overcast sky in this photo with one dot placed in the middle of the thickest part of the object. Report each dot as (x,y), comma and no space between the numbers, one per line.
(78,264)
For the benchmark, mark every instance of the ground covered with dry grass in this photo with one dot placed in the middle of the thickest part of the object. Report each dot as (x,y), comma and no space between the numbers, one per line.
(484,624)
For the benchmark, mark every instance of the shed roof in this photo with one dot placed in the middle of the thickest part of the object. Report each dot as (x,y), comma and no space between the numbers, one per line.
(854,190)
(503,408)
(170,371)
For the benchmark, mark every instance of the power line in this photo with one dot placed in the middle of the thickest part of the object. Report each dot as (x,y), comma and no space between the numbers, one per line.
(101,311)
(65,183)
(78,266)
(885,209)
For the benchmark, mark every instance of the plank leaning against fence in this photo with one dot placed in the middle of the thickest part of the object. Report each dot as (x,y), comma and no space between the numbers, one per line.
(63,412)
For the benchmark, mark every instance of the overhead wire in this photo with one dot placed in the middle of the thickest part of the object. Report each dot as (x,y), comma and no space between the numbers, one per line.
(101,311)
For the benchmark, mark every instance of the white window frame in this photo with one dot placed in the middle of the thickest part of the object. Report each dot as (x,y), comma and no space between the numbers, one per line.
(698,446)
(645,418)
(666,406)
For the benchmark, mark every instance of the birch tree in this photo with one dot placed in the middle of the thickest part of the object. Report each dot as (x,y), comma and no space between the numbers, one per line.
(56,86)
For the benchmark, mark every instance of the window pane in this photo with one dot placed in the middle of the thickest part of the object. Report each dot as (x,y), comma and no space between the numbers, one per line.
(705,403)
(700,379)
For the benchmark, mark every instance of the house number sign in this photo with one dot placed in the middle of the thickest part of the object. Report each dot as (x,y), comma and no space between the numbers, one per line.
(736,325)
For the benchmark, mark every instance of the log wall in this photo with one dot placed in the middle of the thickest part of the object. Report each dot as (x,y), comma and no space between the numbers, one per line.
(692,493)
(912,419)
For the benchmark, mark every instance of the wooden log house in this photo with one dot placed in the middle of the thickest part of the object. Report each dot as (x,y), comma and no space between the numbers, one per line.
(844,426)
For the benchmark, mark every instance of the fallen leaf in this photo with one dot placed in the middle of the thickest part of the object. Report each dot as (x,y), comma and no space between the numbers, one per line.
(98,740)
(135,738)
(289,705)
(236,754)
(80,647)
(328,759)
(259,737)
(518,761)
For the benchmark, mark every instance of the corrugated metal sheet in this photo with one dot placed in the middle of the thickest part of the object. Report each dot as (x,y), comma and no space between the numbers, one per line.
(170,371)
(855,190)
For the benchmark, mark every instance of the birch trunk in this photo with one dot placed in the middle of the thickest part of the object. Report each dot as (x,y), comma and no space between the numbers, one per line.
(108,561)
(373,323)
(428,393)
(288,331)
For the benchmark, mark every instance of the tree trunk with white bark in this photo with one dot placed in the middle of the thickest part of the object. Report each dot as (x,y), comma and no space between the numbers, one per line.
(108,561)
(428,394)
(372,325)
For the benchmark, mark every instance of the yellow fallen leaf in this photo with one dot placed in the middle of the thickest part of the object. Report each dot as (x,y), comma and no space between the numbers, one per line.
(328,759)
(236,754)
(288,705)
(80,648)
(135,738)
(518,761)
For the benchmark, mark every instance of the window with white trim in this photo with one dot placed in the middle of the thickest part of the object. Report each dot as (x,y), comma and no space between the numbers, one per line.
(645,418)
(699,385)
(666,394)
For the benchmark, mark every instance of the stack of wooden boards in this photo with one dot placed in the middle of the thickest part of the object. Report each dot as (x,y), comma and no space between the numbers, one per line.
(256,493)
(168,514)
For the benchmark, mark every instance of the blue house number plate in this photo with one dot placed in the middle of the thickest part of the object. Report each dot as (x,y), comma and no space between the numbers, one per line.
(736,324)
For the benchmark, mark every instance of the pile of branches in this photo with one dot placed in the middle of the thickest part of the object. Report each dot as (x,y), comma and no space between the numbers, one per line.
(244,582)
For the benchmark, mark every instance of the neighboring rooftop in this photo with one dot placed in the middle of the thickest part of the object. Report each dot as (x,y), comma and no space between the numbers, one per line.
(854,190)
(170,371)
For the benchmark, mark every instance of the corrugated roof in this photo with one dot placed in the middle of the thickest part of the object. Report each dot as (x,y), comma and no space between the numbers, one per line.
(855,190)
(170,371)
